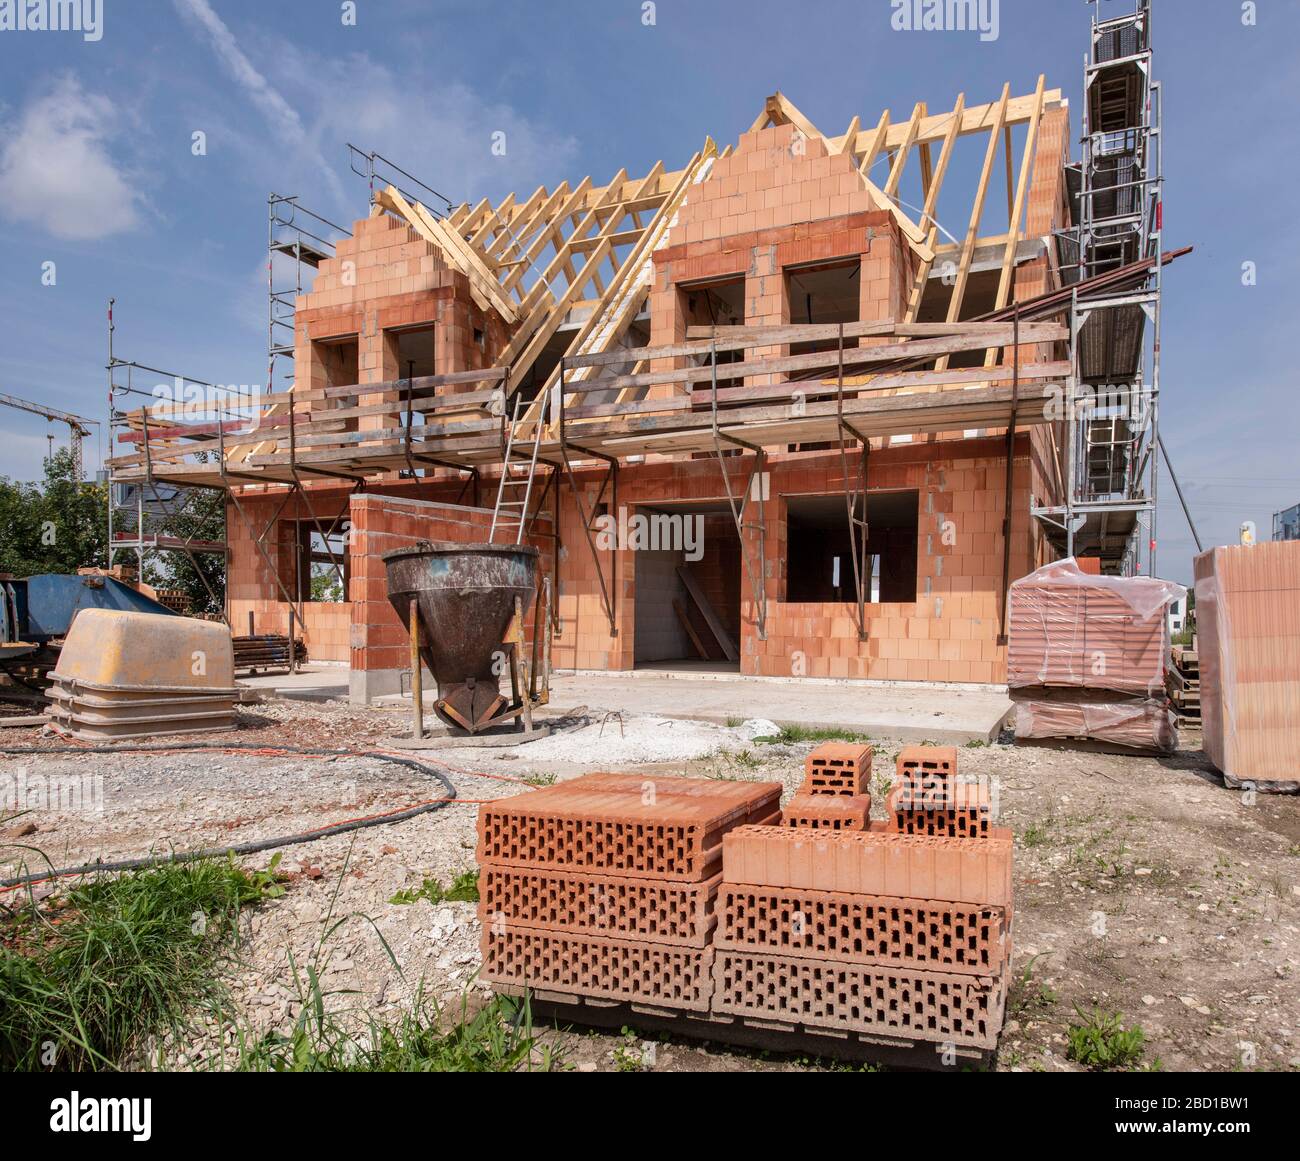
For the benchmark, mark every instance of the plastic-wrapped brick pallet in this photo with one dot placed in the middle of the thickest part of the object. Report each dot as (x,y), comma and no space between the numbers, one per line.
(1248,635)
(1088,657)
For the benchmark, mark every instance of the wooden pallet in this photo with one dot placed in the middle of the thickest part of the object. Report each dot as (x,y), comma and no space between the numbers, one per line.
(1184,682)
(762,1035)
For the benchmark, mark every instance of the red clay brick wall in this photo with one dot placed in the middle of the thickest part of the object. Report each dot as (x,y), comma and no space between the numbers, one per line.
(719,569)
(251,583)
(409,511)
(382,523)
(948,634)
(386,276)
(779,200)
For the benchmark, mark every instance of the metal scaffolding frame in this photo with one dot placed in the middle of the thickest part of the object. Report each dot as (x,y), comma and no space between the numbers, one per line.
(1112,405)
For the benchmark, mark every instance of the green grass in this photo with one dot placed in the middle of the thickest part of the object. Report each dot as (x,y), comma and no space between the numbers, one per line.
(498,1037)
(1027,996)
(627,1054)
(1036,834)
(813,734)
(329,1036)
(86,979)
(463,889)
(540,779)
(1099,1041)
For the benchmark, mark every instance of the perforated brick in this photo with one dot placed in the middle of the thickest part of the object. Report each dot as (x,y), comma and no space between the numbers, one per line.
(665,828)
(872,862)
(927,767)
(838,768)
(919,933)
(656,911)
(828,811)
(613,969)
(956,808)
(930,1006)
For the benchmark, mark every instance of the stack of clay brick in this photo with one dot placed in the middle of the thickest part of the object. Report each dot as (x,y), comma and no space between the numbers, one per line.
(836,790)
(603,888)
(1088,655)
(1248,634)
(901,929)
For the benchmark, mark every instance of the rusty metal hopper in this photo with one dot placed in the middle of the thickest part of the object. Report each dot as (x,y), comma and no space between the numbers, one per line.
(466,596)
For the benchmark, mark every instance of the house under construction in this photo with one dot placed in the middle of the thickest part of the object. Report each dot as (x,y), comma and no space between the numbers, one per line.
(873,422)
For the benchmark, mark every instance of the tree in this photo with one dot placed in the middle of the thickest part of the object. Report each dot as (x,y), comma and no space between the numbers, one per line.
(58,525)
(197,514)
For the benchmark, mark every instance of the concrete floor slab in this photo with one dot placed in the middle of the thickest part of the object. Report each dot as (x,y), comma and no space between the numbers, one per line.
(314,682)
(909,711)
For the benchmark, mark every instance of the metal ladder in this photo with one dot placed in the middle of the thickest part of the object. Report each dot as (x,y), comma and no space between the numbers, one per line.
(508,514)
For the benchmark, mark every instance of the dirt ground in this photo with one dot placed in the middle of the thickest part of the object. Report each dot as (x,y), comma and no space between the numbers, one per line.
(1142,885)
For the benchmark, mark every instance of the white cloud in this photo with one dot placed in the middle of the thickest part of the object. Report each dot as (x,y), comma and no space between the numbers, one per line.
(57,171)
(282,117)
(442,132)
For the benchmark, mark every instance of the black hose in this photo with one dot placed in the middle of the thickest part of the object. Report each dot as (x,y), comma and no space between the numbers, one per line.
(247,848)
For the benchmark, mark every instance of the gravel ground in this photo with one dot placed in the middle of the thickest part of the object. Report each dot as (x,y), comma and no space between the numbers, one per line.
(1142,885)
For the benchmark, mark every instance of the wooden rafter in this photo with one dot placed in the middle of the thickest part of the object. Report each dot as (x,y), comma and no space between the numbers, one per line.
(928,220)
(1018,210)
(537,260)
(977,212)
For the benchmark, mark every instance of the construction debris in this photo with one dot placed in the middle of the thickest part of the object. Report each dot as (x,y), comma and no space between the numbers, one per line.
(1248,624)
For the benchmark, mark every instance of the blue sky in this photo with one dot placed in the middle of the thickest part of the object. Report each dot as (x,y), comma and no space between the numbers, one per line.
(97,173)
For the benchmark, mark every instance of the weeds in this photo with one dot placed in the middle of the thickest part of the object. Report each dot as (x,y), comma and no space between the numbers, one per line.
(86,981)
(627,1055)
(791,734)
(1099,1041)
(540,779)
(1027,996)
(1036,834)
(497,1038)
(463,889)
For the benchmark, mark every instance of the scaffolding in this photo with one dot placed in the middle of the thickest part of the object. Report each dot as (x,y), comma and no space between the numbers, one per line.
(297,241)
(145,514)
(1112,409)
(160,413)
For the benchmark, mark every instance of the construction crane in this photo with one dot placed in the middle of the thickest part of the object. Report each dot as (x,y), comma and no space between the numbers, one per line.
(77,425)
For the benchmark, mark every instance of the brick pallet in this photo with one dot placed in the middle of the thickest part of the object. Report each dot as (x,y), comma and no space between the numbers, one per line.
(873,937)
(604,887)
(899,930)
(1088,658)
(1185,683)
(1248,638)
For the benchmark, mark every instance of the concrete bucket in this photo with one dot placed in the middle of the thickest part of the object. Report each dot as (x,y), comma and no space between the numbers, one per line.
(465,595)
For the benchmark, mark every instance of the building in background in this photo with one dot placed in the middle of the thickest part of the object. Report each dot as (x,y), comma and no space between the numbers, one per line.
(1286,524)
